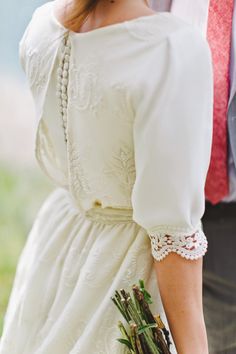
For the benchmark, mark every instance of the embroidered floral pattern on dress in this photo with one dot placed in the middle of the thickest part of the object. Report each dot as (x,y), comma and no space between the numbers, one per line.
(77,175)
(189,246)
(44,150)
(73,334)
(44,143)
(138,258)
(37,77)
(122,166)
(84,90)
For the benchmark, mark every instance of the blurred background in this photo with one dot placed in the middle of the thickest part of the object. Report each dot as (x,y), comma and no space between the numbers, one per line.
(23,187)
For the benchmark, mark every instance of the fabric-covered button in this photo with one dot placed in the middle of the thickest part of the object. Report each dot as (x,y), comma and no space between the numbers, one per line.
(63,88)
(64,81)
(67,58)
(65,74)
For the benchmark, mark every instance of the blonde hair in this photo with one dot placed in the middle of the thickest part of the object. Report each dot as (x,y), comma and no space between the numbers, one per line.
(80,9)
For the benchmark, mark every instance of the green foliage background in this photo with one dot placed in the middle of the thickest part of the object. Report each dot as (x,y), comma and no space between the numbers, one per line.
(22,191)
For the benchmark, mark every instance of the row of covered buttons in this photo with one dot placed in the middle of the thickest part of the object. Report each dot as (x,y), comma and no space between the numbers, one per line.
(62,82)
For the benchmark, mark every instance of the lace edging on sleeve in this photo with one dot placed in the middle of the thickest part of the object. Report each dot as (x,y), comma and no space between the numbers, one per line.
(187,245)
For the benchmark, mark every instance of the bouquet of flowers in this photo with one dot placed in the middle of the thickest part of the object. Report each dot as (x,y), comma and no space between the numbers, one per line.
(144,333)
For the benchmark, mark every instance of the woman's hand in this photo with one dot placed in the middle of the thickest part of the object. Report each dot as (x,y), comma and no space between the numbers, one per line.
(180,284)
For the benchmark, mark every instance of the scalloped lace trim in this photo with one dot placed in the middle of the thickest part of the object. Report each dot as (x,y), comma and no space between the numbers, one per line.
(191,246)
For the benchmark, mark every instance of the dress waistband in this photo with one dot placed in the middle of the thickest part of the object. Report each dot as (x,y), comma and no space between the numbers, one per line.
(107,215)
(110,215)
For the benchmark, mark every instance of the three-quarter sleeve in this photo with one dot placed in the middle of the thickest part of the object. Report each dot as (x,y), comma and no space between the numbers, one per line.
(172,143)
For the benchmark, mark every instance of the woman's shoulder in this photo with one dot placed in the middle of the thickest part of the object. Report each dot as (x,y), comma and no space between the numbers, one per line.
(41,14)
(41,28)
(41,35)
(39,43)
(165,25)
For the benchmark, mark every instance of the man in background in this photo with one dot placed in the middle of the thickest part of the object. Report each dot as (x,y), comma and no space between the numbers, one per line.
(216,19)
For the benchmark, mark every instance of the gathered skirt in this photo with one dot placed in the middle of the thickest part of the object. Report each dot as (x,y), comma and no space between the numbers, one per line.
(70,266)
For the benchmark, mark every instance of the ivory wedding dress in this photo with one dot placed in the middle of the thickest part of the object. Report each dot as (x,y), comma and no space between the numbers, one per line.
(124,129)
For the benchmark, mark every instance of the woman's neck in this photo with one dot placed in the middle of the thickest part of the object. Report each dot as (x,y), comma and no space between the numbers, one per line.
(107,12)
(112,11)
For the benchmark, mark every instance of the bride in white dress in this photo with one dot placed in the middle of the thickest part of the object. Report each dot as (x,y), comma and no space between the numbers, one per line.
(124,110)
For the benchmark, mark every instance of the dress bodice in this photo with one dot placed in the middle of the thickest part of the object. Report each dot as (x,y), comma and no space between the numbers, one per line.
(124,115)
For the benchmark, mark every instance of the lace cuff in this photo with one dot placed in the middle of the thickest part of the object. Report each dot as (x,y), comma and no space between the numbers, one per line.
(187,245)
